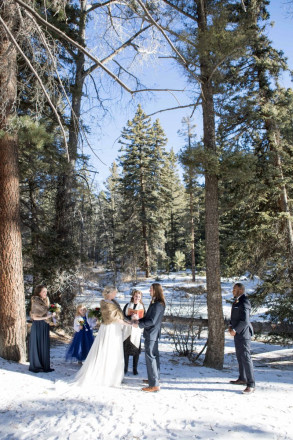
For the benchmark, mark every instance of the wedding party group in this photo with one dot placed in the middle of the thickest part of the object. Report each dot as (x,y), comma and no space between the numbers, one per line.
(104,359)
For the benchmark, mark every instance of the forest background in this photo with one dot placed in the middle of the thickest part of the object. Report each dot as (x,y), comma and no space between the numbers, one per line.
(63,65)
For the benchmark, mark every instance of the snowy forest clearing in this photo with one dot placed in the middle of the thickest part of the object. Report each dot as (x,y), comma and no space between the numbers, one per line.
(194,402)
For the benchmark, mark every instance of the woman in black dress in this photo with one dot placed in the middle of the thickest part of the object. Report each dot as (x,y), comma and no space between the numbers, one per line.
(39,346)
(132,336)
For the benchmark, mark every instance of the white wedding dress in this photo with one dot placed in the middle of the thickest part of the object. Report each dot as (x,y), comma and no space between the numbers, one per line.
(104,365)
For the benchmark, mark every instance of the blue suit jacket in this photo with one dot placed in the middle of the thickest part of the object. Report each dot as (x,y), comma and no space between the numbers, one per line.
(152,321)
(240,317)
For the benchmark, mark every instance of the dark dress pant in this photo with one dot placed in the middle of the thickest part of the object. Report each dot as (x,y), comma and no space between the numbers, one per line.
(152,358)
(242,347)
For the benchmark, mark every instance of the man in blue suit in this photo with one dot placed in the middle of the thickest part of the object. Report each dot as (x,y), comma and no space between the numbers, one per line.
(242,330)
(151,323)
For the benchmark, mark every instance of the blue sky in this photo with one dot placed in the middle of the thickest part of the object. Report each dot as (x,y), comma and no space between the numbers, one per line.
(104,139)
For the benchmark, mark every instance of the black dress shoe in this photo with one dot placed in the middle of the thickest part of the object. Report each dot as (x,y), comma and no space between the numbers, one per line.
(50,370)
(135,372)
(238,382)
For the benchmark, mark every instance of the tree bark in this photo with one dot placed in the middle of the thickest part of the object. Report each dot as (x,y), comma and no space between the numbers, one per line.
(12,310)
(145,242)
(192,235)
(216,338)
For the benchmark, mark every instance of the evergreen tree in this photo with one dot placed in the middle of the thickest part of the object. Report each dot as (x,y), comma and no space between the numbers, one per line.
(109,225)
(258,221)
(175,208)
(191,185)
(142,188)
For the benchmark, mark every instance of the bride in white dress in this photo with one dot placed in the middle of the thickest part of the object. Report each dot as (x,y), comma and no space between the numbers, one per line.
(104,365)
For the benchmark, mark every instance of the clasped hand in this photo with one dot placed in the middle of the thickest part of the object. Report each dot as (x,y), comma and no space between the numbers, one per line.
(231,331)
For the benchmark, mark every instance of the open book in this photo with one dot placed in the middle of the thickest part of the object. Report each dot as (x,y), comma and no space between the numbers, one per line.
(139,313)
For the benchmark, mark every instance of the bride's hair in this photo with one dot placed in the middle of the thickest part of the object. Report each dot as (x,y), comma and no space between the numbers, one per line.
(107,290)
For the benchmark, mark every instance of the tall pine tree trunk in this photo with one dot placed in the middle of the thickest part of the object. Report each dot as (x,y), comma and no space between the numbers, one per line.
(192,235)
(191,208)
(12,310)
(145,242)
(216,339)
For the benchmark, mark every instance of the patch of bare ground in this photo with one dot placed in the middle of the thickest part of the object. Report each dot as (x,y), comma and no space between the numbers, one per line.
(59,337)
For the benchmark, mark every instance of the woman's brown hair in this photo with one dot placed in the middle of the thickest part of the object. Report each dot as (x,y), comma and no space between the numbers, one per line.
(39,288)
(158,295)
(133,293)
(37,292)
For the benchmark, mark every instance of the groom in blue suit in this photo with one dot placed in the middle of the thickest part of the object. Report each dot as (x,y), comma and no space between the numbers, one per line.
(151,323)
(242,330)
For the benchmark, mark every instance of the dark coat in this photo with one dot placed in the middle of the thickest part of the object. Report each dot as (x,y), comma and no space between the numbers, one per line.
(152,321)
(240,317)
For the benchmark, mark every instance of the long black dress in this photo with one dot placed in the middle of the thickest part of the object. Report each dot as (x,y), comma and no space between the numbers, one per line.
(39,344)
(39,348)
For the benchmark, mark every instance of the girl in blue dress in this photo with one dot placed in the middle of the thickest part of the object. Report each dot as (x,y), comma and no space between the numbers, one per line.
(83,338)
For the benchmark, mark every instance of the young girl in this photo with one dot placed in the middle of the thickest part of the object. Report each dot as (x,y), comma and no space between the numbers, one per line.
(83,338)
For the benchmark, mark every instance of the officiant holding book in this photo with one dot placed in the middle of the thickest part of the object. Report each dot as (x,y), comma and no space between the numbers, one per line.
(132,335)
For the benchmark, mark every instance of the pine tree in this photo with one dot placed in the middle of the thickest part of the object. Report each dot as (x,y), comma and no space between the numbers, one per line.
(191,185)
(259,226)
(175,208)
(109,224)
(142,188)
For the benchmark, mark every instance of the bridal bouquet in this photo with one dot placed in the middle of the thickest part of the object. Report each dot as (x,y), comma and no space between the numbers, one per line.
(95,313)
(55,309)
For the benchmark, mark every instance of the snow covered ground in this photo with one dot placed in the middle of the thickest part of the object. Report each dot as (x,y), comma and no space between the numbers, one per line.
(194,402)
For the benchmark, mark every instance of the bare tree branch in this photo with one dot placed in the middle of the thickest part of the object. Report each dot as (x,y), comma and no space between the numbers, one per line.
(161,29)
(39,80)
(117,51)
(53,59)
(156,24)
(179,9)
(159,90)
(169,109)
(99,5)
(74,43)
